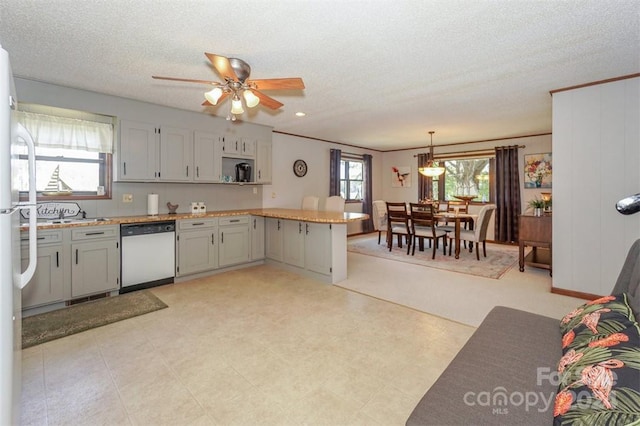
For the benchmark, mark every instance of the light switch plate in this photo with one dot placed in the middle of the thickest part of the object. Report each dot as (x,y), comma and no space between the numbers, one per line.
(127,198)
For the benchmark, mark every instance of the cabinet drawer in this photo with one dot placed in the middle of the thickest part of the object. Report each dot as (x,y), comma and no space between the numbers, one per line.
(43,237)
(233,220)
(197,223)
(94,232)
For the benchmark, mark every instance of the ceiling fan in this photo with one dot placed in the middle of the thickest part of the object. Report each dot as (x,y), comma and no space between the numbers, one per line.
(235,73)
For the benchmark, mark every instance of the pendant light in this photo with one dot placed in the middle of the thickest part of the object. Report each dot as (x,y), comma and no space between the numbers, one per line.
(431,169)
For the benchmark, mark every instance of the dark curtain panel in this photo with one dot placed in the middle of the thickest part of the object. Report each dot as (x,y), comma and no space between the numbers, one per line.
(424,182)
(334,171)
(367,201)
(507,190)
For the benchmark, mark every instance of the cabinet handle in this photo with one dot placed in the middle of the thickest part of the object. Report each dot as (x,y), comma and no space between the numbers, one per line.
(57,259)
(254,224)
(243,147)
(234,220)
(307,226)
(222,238)
(236,145)
(187,171)
(197,171)
(299,227)
(124,166)
(94,233)
(197,224)
(212,243)
(259,174)
(76,256)
(278,224)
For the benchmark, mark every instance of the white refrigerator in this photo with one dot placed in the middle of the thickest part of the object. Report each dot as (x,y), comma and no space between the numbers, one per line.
(11,279)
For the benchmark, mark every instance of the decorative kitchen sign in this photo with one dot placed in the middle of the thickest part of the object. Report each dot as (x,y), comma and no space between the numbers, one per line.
(54,210)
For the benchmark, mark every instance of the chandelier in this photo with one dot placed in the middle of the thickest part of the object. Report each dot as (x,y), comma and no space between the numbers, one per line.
(431,169)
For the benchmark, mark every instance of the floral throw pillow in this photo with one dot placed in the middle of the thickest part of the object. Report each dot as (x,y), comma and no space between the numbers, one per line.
(599,374)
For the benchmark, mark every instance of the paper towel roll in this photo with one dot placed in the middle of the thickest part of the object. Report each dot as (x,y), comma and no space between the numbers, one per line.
(152,204)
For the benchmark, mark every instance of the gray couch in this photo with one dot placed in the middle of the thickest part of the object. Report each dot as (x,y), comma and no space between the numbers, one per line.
(505,373)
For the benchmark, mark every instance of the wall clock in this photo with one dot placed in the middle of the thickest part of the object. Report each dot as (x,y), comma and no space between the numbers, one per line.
(299,168)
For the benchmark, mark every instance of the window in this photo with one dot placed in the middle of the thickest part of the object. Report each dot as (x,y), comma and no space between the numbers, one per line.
(73,153)
(464,177)
(351,179)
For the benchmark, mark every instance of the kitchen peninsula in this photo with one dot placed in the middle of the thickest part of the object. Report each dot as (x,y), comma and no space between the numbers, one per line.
(311,243)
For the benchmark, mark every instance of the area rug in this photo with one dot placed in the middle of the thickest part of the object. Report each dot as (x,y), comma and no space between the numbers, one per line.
(63,322)
(500,258)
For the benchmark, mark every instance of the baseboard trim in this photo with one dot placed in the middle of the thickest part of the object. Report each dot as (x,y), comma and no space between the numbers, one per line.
(573,293)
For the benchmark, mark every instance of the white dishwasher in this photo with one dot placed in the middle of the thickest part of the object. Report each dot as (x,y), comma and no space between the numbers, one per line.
(148,255)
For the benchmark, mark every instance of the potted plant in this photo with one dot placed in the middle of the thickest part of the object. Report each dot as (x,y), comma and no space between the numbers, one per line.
(537,205)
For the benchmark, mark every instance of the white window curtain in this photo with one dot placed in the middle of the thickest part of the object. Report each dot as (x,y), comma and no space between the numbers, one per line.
(67,133)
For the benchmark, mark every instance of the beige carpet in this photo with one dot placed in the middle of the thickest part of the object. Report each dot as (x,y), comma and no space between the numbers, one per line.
(500,258)
(53,325)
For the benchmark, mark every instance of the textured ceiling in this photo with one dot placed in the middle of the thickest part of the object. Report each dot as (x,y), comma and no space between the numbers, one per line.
(378,74)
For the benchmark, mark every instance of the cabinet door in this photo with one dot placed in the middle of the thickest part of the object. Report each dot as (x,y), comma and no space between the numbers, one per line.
(263,162)
(231,145)
(176,154)
(294,243)
(248,147)
(197,251)
(234,245)
(317,247)
(257,237)
(273,239)
(139,152)
(47,284)
(95,267)
(207,157)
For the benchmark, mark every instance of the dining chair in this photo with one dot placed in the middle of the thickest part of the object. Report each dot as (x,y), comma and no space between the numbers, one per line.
(310,202)
(398,224)
(443,223)
(423,225)
(479,233)
(335,203)
(379,218)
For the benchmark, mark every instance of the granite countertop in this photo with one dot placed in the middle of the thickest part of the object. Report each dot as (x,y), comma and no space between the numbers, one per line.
(290,214)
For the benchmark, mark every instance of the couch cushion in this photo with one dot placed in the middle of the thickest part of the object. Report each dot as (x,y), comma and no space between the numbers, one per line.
(594,320)
(600,376)
(505,374)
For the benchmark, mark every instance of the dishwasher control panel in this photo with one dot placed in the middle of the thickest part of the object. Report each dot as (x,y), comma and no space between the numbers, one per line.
(130,229)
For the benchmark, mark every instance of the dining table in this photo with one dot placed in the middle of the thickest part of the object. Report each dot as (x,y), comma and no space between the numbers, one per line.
(457,218)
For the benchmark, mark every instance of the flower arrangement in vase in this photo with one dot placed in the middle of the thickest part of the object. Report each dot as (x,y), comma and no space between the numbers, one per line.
(537,205)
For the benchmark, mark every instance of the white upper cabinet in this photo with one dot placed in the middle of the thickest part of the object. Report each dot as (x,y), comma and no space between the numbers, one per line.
(176,154)
(207,149)
(139,154)
(263,162)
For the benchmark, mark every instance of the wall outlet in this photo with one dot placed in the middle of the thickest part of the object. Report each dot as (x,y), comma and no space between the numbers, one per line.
(273,195)
(127,198)
(255,190)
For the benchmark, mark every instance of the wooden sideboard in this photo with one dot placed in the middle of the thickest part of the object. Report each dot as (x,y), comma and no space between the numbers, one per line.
(535,231)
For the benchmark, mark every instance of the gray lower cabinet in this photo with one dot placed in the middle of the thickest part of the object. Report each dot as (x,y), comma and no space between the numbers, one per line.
(197,246)
(317,248)
(95,260)
(234,240)
(256,230)
(47,284)
(273,239)
(294,243)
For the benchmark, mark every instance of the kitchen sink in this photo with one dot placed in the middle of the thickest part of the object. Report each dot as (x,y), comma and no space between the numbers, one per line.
(72,221)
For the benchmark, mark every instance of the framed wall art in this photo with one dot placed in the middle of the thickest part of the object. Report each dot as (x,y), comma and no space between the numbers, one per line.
(401,176)
(538,170)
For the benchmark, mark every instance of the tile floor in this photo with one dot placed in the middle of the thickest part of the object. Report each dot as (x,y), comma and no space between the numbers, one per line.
(254,346)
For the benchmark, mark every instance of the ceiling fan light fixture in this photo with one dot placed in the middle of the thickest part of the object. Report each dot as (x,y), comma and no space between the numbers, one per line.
(236,106)
(213,95)
(251,99)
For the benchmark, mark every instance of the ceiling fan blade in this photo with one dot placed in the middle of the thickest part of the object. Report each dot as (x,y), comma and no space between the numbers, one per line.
(188,80)
(222,98)
(267,101)
(223,66)
(278,83)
